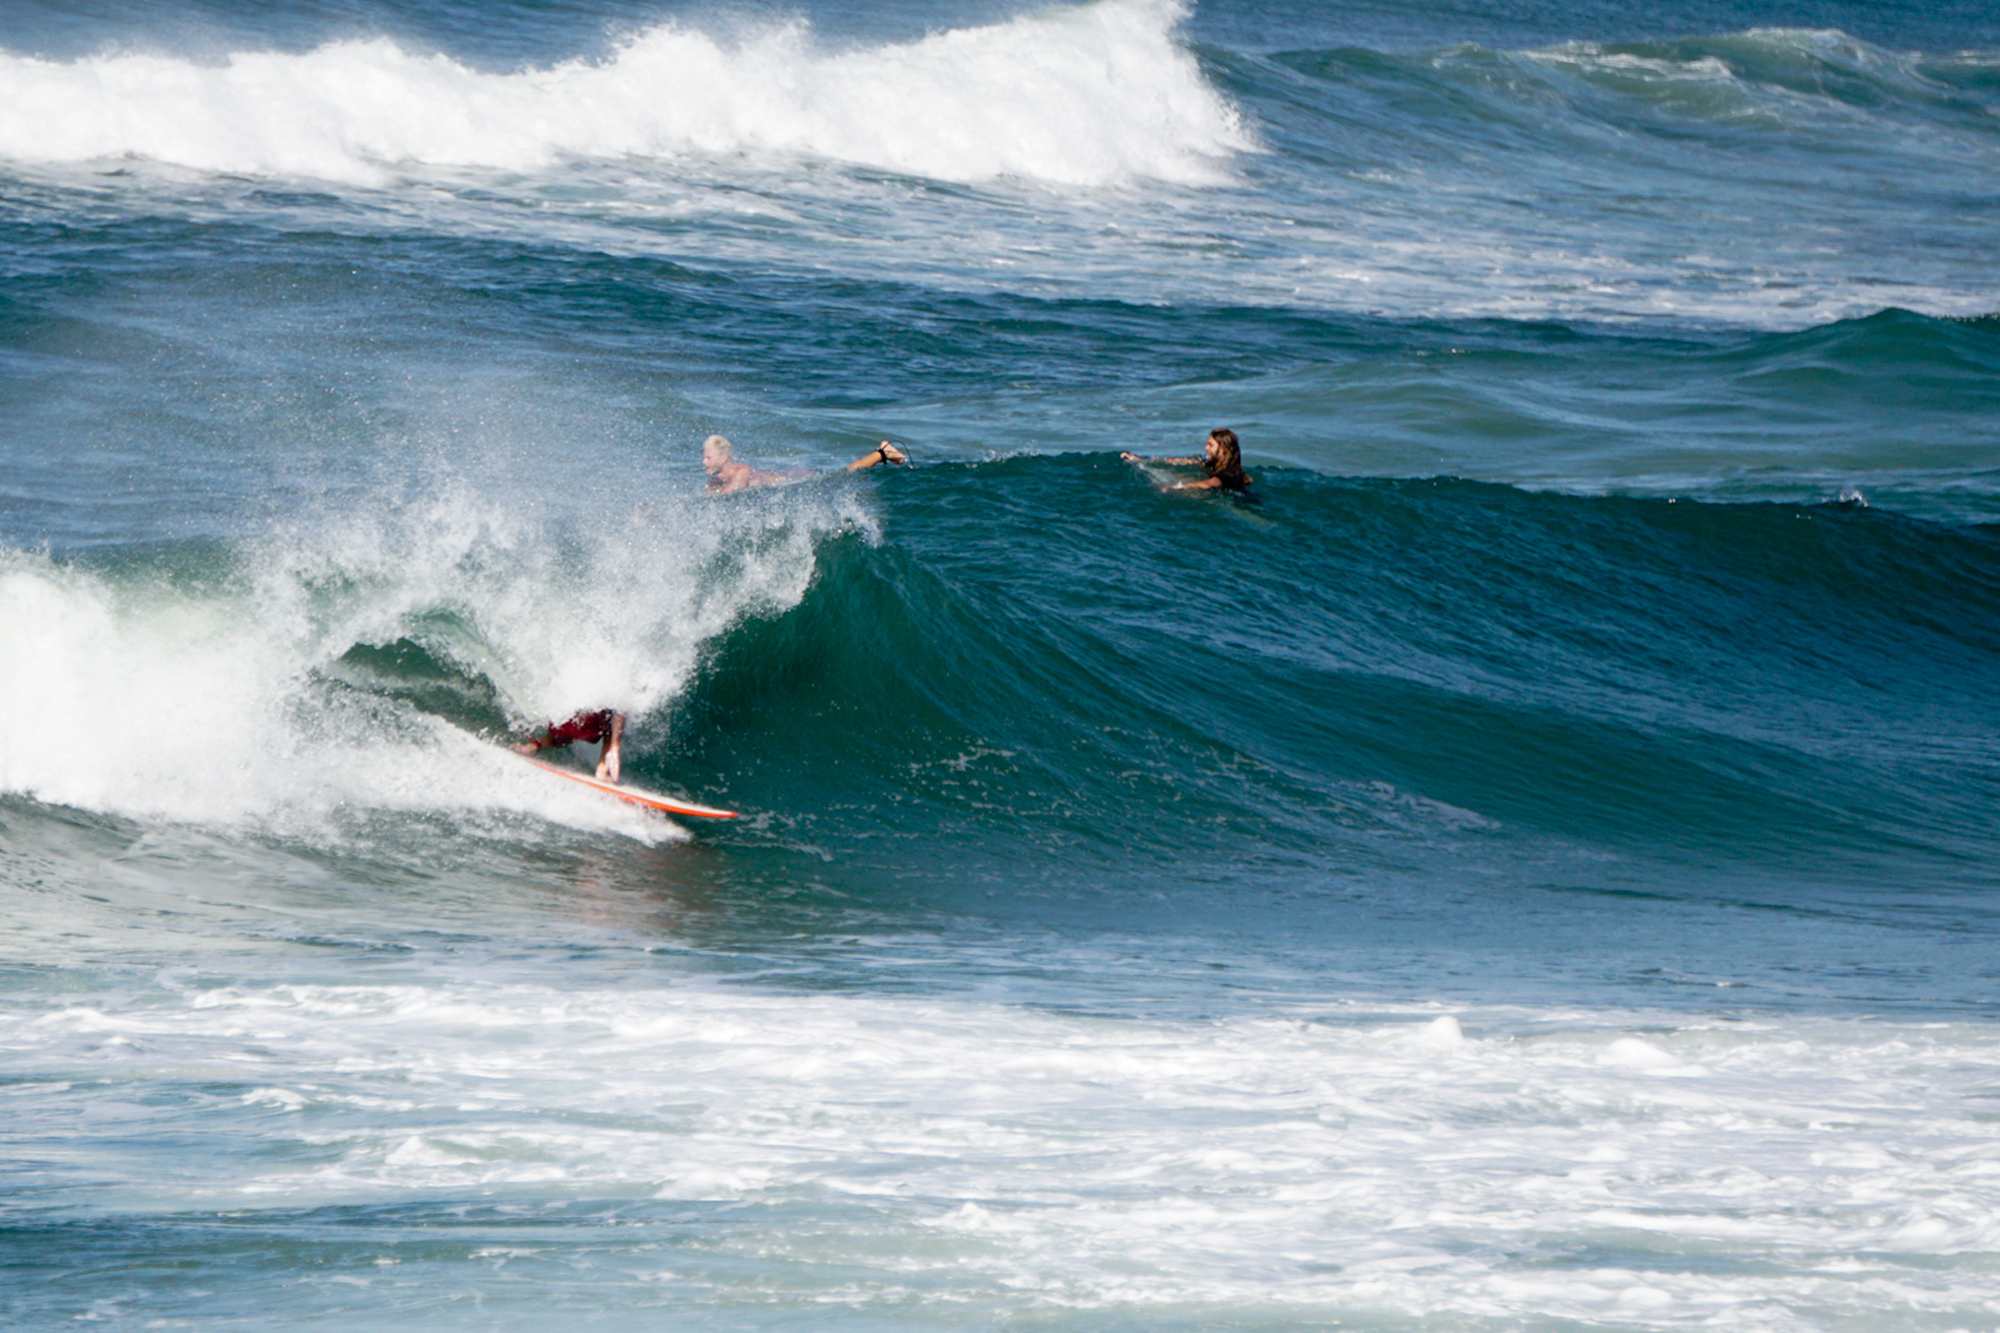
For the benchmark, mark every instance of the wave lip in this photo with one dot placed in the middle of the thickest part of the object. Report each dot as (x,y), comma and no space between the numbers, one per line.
(1094,95)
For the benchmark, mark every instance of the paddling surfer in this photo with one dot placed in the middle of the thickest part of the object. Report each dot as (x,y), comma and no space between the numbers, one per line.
(606,726)
(725,474)
(1221,459)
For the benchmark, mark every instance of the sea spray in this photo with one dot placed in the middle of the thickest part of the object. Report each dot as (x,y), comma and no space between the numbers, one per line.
(265,689)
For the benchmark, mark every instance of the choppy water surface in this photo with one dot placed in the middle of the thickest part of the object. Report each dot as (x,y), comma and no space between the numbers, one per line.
(1527,866)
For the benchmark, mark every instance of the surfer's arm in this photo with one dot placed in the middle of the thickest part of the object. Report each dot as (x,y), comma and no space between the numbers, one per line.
(1173,462)
(884,452)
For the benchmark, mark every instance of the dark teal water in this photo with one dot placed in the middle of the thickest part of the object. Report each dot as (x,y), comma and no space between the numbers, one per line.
(1527,865)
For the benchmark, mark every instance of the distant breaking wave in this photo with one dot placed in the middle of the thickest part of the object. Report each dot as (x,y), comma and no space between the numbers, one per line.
(1092,95)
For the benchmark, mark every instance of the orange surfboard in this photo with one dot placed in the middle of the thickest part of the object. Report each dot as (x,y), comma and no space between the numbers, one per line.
(636,795)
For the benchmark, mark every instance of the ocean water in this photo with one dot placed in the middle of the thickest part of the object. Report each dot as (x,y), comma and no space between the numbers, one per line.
(1527,867)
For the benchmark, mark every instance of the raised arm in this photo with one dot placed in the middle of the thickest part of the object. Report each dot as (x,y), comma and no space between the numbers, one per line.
(884,452)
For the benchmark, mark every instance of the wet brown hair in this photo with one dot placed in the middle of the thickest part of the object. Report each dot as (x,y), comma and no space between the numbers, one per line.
(1229,466)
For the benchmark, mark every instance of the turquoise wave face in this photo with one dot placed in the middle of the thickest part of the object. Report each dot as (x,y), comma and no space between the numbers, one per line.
(1354,671)
(1040,689)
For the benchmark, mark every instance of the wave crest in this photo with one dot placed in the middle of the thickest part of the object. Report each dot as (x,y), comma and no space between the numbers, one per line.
(1093,95)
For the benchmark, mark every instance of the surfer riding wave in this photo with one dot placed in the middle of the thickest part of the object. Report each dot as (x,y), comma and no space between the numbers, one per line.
(605,726)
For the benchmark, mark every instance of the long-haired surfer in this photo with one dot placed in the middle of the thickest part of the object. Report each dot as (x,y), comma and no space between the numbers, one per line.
(605,726)
(725,474)
(1221,459)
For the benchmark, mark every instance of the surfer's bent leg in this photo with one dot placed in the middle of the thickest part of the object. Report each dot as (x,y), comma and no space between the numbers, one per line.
(607,763)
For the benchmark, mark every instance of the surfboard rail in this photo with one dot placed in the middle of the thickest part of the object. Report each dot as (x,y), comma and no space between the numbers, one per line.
(637,795)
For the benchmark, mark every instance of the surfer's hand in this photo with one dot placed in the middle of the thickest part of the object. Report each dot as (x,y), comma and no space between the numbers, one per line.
(1131,458)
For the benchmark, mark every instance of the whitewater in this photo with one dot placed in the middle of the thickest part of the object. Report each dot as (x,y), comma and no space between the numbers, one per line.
(1004,101)
(1526,865)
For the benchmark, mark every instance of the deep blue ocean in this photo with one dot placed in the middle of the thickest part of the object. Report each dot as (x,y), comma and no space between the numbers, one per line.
(1532,865)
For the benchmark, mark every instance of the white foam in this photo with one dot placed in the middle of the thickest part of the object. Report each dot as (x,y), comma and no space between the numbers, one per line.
(1633,1053)
(1442,1034)
(1099,93)
(211,705)
(1334,1172)
(97,700)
